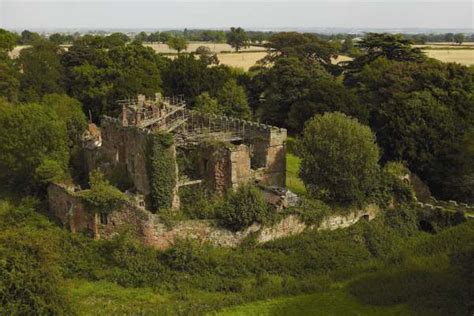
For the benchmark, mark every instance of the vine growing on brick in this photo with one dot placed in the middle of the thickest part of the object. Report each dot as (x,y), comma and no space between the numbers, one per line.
(161,170)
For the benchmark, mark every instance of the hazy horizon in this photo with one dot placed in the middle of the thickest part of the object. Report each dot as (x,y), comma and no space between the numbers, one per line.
(342,14)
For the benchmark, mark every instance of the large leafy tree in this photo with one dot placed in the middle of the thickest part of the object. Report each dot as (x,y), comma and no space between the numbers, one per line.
(32,137)
(339,159)
(97,76)
(190,77)
(177,43)
(306,47)
(421,112)
(233,100)
(8,41)
(378,45)
(9,72)
(237,38)
(294,91)
(42,71)
(70,111)
(135,71)
(28,37)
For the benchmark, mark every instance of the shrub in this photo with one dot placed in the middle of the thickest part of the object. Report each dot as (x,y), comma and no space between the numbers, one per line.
(30,278)
(339,159)
(198,203)
(243,207)
(311,211)
(50,171)
(102,196)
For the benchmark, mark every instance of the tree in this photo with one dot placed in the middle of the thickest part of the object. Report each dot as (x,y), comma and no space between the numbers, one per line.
(70,111)
(233,100)
(207,104)
(115,40)
(177,43)
(306,47)
(459,38)
(388,46)
(28,38)
(30,134)
(206,55)
(9,80)
(135,71)
(339,159)
(294,91)
(244,207)
(140,37)
(237,38)
(7,42)
(190,77)
(420,113)
(42,71)
(153,37)
(449,37)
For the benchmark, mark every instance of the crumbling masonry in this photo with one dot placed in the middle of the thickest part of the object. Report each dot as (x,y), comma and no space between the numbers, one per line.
(230,151)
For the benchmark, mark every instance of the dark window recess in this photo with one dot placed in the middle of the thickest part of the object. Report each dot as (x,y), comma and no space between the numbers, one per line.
(103,218)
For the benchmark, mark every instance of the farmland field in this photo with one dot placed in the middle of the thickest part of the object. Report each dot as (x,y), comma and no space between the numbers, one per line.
(192,46)
(461,56)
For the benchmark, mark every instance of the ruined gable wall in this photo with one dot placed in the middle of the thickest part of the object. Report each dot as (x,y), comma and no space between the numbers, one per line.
(122,148)
(224,167)
(268,145)
(70,210)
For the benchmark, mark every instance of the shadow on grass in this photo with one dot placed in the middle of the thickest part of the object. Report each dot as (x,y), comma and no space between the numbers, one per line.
(425,291)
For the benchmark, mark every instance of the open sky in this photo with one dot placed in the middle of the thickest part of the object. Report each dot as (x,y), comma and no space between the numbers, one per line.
(263,14)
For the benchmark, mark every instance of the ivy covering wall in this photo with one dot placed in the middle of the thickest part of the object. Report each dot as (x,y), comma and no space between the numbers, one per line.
(161,164)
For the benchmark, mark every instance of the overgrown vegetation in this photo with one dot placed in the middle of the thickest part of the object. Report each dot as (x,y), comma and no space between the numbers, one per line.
(161,162)
(243,207)
(385,262)
(102,197)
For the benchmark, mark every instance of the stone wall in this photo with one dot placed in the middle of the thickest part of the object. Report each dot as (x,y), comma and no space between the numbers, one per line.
(224,166)
(267,144)
(126,147)
(71,211)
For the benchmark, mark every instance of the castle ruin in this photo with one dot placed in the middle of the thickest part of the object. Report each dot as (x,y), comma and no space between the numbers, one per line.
(226,152)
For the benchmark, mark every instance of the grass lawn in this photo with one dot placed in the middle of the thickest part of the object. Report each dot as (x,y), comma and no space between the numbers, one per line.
(106,298)
(293,182)
(334,302)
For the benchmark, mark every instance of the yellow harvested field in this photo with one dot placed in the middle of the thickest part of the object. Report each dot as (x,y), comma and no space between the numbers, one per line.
(461,56)
(244,60)
(446,45)
(192,46)
(341,58)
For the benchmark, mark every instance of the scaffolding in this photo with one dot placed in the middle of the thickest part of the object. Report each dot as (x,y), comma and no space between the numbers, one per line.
(188,126)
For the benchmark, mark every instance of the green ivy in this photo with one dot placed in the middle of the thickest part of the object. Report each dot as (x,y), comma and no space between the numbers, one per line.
(102,196)
(161,164)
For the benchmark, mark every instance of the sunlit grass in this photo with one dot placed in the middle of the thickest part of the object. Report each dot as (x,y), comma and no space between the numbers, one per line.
(334,302)
(293,182)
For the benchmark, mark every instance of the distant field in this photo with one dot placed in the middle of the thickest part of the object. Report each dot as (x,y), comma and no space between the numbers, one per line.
(462,56)
(446,52)
(241,60)
(215,47)
(447,45)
